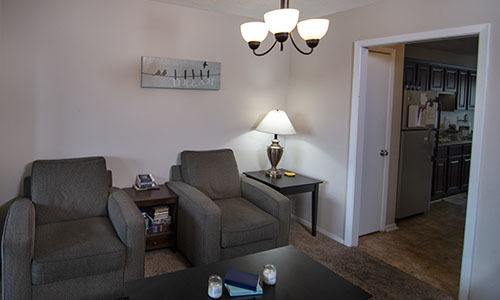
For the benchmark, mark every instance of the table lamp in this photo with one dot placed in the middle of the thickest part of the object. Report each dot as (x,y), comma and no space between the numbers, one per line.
(275,122)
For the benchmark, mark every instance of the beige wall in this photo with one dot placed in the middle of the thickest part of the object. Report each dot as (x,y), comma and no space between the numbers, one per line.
(70,86)
(319,98)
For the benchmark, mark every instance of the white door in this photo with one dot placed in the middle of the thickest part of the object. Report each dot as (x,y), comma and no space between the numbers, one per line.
(379,86)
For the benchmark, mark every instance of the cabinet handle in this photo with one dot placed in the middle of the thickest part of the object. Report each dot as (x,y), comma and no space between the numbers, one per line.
(467,159)
(454,162)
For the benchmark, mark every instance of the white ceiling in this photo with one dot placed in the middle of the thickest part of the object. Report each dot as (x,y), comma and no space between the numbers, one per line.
(257,8)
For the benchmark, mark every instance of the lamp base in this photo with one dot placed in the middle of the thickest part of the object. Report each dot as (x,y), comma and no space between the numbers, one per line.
(273,173)
(274,153)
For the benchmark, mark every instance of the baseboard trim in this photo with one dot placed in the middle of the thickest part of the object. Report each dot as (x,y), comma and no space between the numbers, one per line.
(391,227)
(319,229)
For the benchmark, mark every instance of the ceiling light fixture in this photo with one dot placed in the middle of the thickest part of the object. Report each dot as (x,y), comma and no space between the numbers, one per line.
(281,22)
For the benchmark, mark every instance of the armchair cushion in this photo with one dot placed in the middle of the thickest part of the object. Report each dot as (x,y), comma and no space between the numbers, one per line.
(272,202)
(69,189)
(245,223)
(215,173)
(74,249)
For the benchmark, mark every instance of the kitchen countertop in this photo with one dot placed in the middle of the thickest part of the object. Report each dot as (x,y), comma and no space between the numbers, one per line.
(455,143)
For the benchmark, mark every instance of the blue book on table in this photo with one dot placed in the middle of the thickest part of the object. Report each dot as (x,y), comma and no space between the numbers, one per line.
(235,291)
(242,279)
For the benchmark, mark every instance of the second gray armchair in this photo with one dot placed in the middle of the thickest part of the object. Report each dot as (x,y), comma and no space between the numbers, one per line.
(222,215)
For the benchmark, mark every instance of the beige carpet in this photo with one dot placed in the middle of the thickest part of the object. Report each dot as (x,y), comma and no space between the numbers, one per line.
(376,277)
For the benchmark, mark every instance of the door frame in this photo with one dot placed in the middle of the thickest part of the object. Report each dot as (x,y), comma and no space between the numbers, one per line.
(390,99)
(356,137)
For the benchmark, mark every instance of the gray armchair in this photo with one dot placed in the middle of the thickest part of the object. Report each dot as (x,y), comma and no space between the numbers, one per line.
(221,215)
(75,238)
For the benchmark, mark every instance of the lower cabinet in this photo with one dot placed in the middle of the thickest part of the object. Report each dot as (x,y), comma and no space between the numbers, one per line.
(439,178)
(465,172)
(454,182)
(451,170)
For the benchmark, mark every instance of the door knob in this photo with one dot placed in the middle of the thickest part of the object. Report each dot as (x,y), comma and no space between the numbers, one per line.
(384,152)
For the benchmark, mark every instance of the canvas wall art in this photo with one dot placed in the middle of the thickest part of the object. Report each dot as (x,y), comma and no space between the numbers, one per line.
(170,73)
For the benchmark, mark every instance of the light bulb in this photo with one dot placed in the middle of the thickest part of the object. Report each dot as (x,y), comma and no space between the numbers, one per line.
(313,29)
(254,31)
(282,20)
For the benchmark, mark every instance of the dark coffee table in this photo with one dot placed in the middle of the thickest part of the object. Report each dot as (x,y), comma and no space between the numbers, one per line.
(299,277)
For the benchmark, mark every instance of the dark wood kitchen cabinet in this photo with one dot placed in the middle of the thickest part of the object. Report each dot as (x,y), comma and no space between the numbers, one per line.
(465,173)
(451,170)
(410,74)
(454,175)
(467,150)
(450,80)
(472,90)
(437,78)
(463,88)
(423,73)
(439,178)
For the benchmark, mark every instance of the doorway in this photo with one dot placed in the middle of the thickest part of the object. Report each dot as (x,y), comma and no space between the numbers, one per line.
(357,135)
(435,131)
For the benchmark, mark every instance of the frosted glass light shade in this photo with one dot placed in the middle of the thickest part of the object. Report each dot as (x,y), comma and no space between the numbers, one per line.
(276,122)
(281,20)
(254,31)
(313,29)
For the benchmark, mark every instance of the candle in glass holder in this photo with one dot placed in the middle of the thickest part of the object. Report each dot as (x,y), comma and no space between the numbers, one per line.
(269,275)
(214,286)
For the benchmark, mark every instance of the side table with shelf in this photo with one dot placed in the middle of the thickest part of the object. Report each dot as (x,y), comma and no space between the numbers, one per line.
(152,198)
(293,185)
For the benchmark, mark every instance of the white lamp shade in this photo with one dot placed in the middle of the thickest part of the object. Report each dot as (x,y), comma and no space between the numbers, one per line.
(282,20)
(313,29)
(254,31)
(276,122)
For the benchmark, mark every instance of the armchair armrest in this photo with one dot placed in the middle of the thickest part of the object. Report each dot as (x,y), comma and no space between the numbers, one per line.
(129,225)
(270,201)
(18,243)
(198,224)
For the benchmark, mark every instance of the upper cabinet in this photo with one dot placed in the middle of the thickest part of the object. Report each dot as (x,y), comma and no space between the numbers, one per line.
(416,76)
(472,90)
(425,76)
(410,74)
(463,88)
(450,80)
(423,71)
(437,78)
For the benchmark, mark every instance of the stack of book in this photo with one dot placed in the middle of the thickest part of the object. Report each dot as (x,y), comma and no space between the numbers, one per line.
(159,219)
(242,284)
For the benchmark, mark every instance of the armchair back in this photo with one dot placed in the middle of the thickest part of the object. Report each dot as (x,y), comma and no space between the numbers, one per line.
(215,172)
(69,189)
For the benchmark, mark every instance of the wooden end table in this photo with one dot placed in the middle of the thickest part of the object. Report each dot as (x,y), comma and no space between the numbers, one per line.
(159,197)
(293,185)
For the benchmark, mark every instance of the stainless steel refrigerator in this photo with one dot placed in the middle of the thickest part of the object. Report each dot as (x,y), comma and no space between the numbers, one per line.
(415,172)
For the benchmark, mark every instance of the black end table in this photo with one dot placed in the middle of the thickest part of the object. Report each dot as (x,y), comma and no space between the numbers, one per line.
(299,277)
(293,185)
